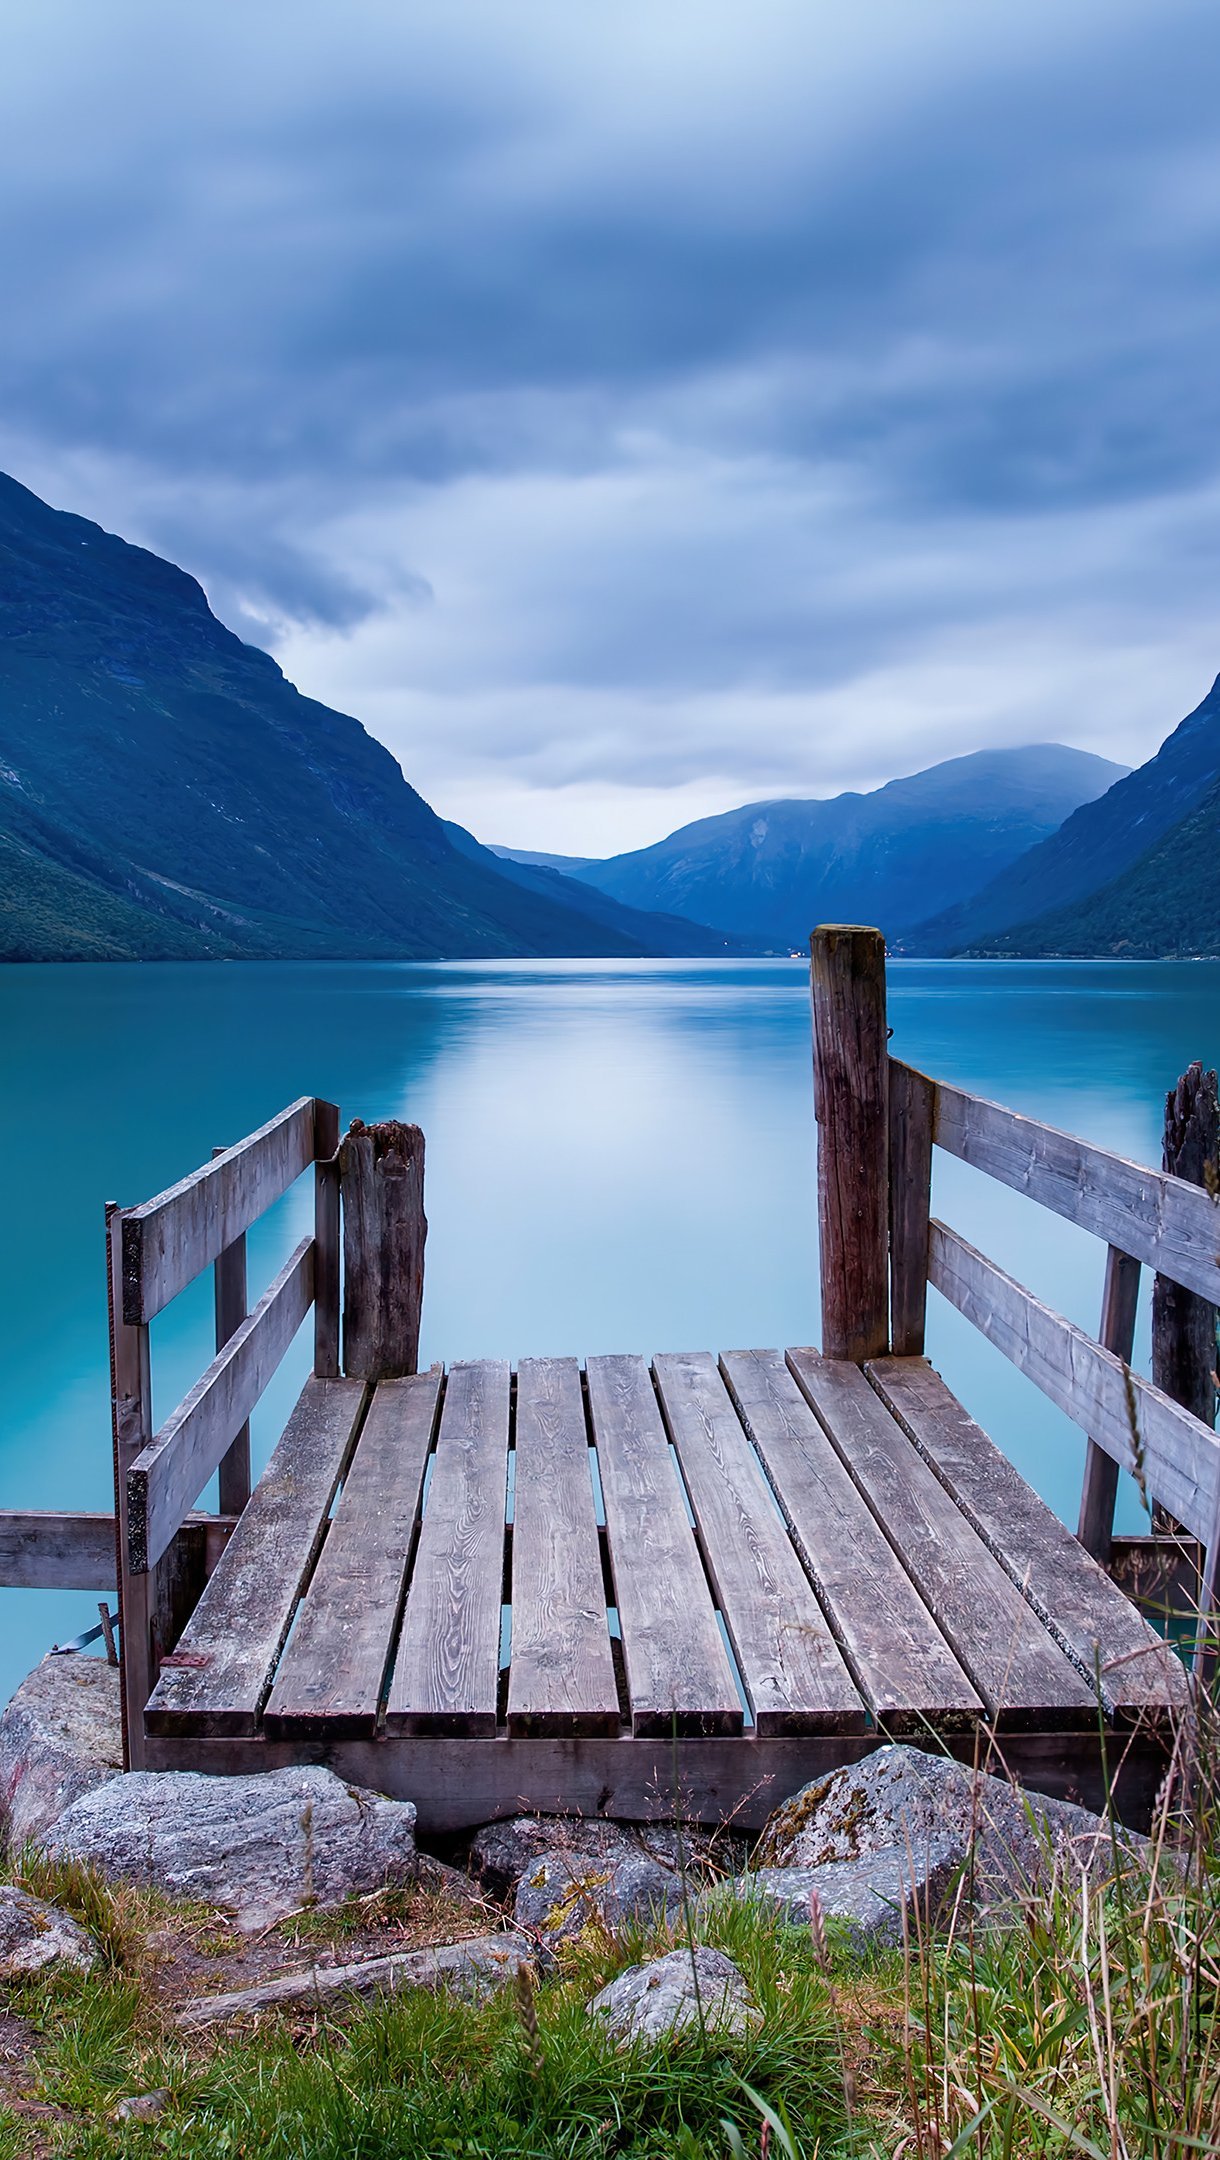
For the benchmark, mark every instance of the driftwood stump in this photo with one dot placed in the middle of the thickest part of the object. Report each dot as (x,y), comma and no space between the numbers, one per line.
(1184,1324)
(381,1178)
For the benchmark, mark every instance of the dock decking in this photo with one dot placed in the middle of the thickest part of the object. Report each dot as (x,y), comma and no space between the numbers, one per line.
(637,1588)
(767,1548)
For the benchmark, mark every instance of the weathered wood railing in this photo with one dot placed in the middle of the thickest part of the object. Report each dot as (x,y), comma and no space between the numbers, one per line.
(879,1121)
(153,1252)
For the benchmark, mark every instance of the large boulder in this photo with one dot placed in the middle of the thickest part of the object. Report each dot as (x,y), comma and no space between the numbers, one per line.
(36,1937)
(61,1736)
(263,1846)
(903,1798)
(878,1898)
(675,1996)
(502,1852)
(561,1893)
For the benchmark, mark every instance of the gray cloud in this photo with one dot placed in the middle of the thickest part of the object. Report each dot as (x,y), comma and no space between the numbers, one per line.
(628,412)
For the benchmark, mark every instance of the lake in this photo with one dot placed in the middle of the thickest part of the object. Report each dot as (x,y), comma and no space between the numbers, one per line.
(620,1156)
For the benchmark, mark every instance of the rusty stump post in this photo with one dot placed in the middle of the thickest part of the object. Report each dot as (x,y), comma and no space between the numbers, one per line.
(851,1103)
(381,1178)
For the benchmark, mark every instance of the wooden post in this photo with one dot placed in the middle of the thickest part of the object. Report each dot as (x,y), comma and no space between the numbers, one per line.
(1119,1299)
(381,1174)
(131,1421)
(912,1114)
(326,1241)
(229,1275)
(850,1065)
(1184,1324)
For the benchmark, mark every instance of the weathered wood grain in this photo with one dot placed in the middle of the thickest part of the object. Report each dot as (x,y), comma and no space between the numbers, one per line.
(456,1784)
(1099,1628)
(381,1173)
(904,1667)
(331,1674)
(1183,1323)
(851,1079)
(230,1298)
(447,1670)
(1163,1221)
(1099,1490)
(227,1654)
(678,1675)
(1021,1673)
(792,1668)
(561,1678)
(1181,1458)
(327,1234)
(912,1106)
(171,1239)
(168,1475)
(44,1549)
(131,1430)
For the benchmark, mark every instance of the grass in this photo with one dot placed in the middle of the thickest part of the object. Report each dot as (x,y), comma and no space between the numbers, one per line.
(1090,2026)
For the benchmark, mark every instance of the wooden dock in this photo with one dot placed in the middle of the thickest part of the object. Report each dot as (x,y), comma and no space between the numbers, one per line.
(637,1586)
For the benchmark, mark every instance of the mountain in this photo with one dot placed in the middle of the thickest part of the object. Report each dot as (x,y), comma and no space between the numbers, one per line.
(1165,906)
(165,793)
(533,872)
(773,869)
(1094,847)
(567,864)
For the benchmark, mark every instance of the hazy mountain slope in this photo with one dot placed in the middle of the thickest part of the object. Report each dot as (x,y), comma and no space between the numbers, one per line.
(776,868)
(1096,844)
(671,933)
(567,865)
(1166,906)
(165,792)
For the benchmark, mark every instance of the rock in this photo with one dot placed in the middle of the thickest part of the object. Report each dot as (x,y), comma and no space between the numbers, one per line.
(471,1968)
(143,2107)
(904,1798)
(60,1736)
(35,1937)
(501,1852)
(665,1997)
(871,1894)
(263,1846)
(563,1892)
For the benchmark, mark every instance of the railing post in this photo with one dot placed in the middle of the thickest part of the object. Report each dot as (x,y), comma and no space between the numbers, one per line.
(1119,1300)
(1183,1323)
(912,1115)
(381,1174)
(326,1241)
(850,1064)
(229,1276)
(131,1418)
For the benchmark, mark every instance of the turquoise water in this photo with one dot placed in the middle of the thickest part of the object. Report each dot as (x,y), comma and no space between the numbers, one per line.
(619,1157)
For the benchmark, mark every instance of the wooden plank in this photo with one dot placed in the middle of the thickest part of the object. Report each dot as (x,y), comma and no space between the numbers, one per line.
(231,1309)
(457,1784)
(1099,1490)
(561,1678)
(327,1241)
(1098,1628)
(851,1082)
(171,1239)
(1163,1221)
(1181,1458)
(331,1675)
(793,1672)
(897,1653)
(678,1674)
(44,1549)
(222,1670)
(168,1475)
(447,1671)
(131,1429)
(911,1117)
(1021,1673)
(1183,1323)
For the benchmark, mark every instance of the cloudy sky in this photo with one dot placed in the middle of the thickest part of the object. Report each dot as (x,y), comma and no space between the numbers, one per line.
(631,410)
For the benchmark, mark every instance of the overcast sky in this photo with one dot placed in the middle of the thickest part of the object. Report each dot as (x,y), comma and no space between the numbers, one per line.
(630,410)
